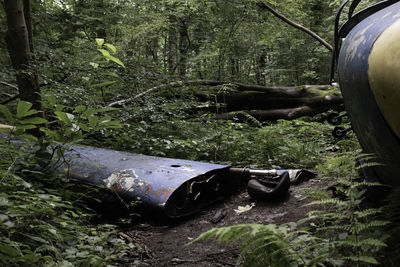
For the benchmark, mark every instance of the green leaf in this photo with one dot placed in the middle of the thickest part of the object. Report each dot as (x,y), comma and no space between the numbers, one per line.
(84,127)
(93,121)
(111,47)
(51,99)
(62,116)
(105,53)
(116,60)
(22,128)
(111,124)
(23,108)
(90,111)
(112,74)
(30,137)
(80,109)
(106,109)
(100,41)
(60,107)
(6,112)
(34,120)
(31,112)
(102,84)
(365,259)
(4,249)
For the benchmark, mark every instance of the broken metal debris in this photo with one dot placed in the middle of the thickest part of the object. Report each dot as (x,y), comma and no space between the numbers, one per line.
(219,215)
(179,187)
(269,188)
(296,176)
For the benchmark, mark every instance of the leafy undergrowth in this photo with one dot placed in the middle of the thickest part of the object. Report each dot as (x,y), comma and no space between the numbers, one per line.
(47,225)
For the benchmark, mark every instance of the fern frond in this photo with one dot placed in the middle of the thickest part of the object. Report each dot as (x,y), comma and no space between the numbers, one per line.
(367,212)
(326,201)
(364,259)
(262,245)
(360,227)
(327,216)
(367,184)
(361,243)
(248,117)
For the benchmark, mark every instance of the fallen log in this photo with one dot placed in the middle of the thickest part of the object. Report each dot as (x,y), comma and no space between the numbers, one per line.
(274,114)
(278,91)
(262,102)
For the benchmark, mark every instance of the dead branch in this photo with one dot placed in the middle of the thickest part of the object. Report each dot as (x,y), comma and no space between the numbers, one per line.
(9,85)
(264,6)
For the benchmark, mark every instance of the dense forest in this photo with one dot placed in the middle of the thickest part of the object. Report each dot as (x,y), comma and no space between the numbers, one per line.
(242,83)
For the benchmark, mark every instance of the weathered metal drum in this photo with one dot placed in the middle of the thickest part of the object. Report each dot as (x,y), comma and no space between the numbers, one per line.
(369,77)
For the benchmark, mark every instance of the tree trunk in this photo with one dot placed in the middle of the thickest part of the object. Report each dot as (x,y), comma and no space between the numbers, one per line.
(260,67)
(172,46)
(19,49)
(28,22)
(275,114)
(184,43)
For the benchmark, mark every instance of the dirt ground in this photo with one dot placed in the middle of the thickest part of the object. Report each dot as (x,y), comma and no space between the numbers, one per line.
(164,243)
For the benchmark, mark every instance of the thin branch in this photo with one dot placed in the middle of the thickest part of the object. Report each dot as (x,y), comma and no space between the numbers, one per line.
(264,6)
(9,85)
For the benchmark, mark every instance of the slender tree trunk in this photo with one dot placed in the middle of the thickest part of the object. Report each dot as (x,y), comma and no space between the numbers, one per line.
(260,67)
(28,22)
(101,27)
(184,43)
(20,52)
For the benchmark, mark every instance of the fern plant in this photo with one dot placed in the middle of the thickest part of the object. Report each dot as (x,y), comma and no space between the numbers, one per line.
(273,245)
(356,233)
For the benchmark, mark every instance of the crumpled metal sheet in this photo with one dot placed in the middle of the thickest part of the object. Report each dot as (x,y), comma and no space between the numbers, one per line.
(179,187)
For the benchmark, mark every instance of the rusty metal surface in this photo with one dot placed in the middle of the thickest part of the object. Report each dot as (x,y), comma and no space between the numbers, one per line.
(179,187)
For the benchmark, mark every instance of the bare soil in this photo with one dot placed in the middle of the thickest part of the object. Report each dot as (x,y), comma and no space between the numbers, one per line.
(164,242)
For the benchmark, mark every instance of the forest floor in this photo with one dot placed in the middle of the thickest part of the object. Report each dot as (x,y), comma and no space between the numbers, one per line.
(165,242)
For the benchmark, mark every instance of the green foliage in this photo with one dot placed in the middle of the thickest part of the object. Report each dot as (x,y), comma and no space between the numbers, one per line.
(23,120)
(40,225)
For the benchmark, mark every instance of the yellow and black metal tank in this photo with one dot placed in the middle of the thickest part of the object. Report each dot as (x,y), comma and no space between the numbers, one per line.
(368,64)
